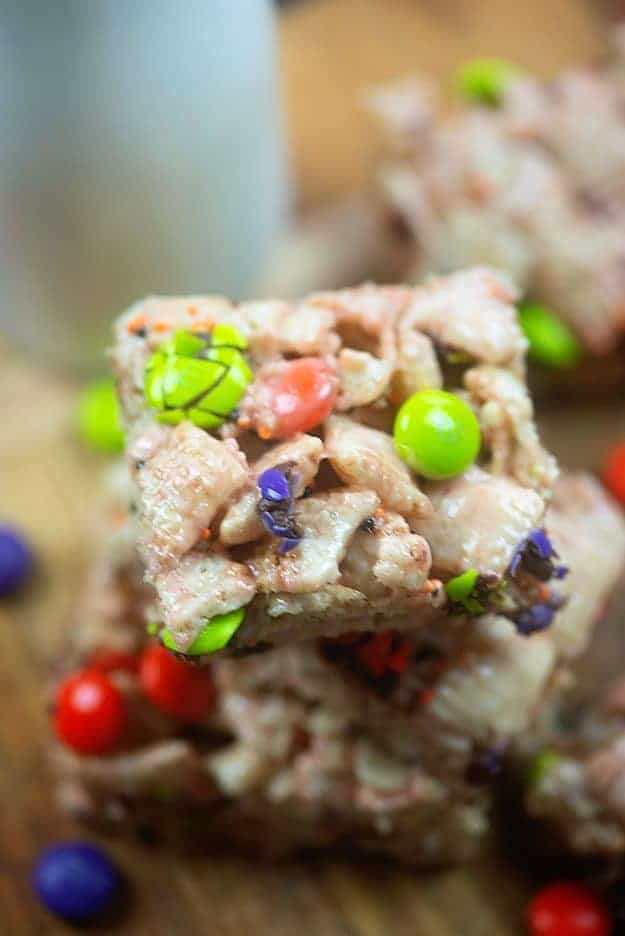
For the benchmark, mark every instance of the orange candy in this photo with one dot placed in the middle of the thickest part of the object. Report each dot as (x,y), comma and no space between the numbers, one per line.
(302,395)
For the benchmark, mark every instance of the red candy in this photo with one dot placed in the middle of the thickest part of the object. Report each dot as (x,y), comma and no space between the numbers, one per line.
(383,653)
(614,472)
(301,396)
(568,909)
(177,688)
(90,714)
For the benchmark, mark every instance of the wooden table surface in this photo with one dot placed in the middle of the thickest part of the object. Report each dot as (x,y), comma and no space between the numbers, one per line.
(329,50)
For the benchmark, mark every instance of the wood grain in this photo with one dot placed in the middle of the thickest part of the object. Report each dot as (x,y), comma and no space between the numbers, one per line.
(329,51)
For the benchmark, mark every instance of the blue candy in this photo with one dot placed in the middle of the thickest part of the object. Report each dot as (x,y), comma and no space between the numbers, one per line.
(16,560)
(75,880)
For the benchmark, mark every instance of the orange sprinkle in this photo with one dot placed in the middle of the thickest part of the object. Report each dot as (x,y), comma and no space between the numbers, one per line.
(244,422)
(136,323)
(205,534)
(161,327)
(118,518)
(264,432)
(192,310)
(205,325)
(544,592)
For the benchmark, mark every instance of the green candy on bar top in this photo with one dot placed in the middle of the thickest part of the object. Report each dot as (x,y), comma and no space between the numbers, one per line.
(437,434)
(99,418)
(215,634)
(460,590)
(222,337)
(485,79)
(198,377)
(551,342)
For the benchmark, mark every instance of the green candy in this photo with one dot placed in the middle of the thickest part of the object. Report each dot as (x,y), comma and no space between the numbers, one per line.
(551,341)
(541,765)
(215,634)
(460,590)
(198,377)
(99,417)
(484,79)
(437,434)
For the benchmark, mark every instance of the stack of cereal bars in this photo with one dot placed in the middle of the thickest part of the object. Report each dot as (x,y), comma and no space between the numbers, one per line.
(337,574)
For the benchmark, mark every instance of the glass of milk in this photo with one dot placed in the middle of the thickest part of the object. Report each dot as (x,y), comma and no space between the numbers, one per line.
(140,152)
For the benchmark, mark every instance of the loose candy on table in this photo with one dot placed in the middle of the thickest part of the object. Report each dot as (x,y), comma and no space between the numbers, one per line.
(16,560)
(614,472)
(76,880)
(90,713)
(551,342)
(180,689)
(484,80)
(437,434)
(568,908)
(99,417)
(200,377)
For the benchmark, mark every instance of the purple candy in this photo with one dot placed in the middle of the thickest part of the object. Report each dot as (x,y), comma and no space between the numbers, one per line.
(535,555)
(289,543)
(274,526)
(536,618)
(16,560)
(273,485)
(276,505)
(76,880)
(542,543)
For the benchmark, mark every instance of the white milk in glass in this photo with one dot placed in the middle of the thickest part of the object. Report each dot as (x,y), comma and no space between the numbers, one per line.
(140,152)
